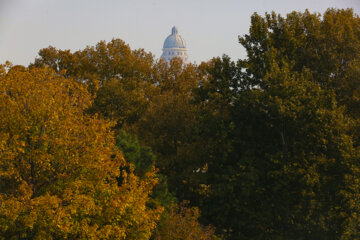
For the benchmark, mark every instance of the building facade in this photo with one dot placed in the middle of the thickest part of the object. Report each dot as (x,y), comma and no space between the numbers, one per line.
(174,46)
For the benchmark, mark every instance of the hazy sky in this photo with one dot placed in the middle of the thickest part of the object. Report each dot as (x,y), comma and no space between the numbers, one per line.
(209,27)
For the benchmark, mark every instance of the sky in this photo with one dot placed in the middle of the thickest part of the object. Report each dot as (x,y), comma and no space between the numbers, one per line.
(209,27)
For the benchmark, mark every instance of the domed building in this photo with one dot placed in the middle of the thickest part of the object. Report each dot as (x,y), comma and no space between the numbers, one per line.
(174,46)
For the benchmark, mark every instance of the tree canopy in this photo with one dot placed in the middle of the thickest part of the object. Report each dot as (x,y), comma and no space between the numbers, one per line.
(283,155)
(59,167)
(266,147)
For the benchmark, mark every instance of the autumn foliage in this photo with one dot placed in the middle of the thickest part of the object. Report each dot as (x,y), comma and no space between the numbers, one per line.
(108,143)
(60,168)
(181,222)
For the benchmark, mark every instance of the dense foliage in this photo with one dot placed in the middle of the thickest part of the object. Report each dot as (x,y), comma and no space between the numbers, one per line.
(59,167)
(181,222)
(263,148)
(281,128)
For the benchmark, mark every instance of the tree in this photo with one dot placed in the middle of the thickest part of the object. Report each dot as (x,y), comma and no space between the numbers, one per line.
(144,161)
(181,222)
(167,125)
(284,165)
(119,78)
(282,156)
(328,46)
(60,168)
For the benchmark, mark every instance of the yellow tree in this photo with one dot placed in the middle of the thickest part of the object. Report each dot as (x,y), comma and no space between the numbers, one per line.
(181,222)
(61,175)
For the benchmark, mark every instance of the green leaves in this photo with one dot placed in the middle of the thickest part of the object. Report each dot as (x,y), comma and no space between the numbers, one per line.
(281,145)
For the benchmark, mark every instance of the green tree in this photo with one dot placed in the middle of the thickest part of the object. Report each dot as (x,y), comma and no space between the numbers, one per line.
(144,161)
(281,161)
(168,125)
(142,157)
(282,156)
(328,46)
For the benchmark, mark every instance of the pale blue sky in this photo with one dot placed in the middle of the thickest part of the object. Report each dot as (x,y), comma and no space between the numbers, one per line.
(210,27)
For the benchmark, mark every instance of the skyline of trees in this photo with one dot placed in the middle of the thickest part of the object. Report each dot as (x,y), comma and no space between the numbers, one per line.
(107,142)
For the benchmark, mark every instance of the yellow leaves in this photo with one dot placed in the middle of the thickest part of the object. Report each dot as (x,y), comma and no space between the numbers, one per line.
(181,222)
(59,166)
(25,191)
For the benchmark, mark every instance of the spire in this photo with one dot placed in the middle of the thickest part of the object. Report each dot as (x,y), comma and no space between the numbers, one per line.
(174,30)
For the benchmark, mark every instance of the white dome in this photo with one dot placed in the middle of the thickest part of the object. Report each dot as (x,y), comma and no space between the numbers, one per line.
(174,40)
(174,46)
